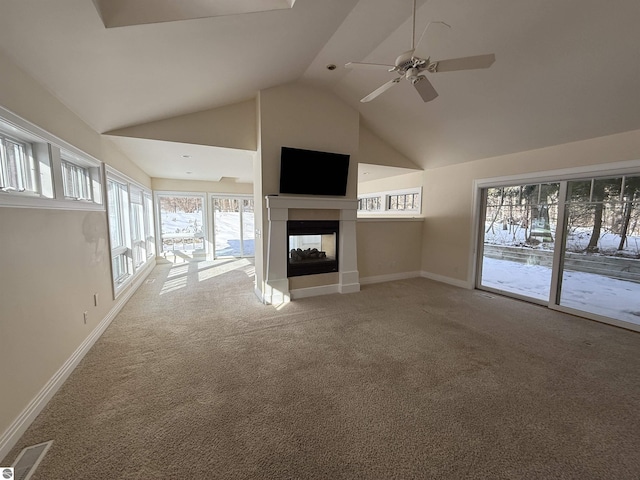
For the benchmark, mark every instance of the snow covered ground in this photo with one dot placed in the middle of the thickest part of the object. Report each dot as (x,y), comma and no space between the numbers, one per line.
(588,292)
(226,227)
(577,240)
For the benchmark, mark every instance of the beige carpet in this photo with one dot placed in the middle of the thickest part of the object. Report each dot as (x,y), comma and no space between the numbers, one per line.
(410,379)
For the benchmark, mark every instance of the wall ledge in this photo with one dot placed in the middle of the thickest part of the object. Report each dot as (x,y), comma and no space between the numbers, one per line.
(389,219)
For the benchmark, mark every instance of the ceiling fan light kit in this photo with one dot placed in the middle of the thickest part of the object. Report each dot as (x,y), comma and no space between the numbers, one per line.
(410,66)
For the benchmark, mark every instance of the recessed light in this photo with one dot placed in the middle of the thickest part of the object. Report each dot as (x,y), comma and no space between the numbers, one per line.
(331,66)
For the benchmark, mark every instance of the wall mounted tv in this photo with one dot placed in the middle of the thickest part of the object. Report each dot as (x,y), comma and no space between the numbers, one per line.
(307,172)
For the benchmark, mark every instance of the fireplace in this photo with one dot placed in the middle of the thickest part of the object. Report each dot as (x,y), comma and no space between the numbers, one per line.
(312,247)
(274,287)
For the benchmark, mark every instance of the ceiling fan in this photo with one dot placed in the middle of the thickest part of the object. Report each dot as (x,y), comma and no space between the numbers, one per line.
(410,66)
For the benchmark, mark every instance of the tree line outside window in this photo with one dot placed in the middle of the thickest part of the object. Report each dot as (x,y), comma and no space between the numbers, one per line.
(526,215)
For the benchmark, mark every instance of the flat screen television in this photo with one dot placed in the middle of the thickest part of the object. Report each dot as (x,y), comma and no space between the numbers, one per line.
(307,172)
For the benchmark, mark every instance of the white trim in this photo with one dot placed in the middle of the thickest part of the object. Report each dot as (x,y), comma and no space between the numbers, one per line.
(476,217)
(448,280)
(389,219)
(389,277)
(122,178)
(314,291)
(17,428)
(321,203)
(16,201)
(596,318)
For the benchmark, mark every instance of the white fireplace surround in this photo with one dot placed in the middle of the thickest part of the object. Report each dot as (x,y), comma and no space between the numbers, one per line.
(276,288)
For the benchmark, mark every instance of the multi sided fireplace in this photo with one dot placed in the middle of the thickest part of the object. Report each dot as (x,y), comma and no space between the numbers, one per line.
(312,247)
(273,287)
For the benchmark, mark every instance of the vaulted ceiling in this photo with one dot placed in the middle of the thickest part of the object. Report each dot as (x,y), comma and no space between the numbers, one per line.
(565,70)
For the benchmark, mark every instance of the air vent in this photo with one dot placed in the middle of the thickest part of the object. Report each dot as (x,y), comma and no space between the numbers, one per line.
(29,459)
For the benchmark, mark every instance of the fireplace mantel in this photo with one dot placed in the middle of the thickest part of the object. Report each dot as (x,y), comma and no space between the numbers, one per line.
(276,282)
(311,203)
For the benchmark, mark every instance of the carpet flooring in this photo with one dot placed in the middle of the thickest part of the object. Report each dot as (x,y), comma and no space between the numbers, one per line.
(412,379)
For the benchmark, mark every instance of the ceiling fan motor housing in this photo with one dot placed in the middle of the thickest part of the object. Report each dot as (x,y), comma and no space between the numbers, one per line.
(405,61)
(412,74)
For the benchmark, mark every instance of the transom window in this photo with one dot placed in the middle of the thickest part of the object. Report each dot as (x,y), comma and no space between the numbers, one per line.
(18,171)
(76,181)
(405,201)
(370,204)
(392,202)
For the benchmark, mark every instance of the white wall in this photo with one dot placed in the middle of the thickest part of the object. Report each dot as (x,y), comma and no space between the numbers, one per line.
(397,182)
(372,149)
(230,126)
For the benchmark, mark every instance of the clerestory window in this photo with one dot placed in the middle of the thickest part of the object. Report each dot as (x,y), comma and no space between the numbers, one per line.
(18,170)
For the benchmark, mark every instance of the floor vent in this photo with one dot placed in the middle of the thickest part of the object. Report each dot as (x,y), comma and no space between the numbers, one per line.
(29,459)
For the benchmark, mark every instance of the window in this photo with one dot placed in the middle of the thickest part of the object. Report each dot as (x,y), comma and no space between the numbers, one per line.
(149,229)
(18,171)
(370,204)
(76,181)
(404,201)
(130,227)
(119,231)
(39,170)
(393,202)
(80,177)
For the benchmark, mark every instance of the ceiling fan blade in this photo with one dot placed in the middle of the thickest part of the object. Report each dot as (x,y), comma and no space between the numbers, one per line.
(425,89)
(381,90)
(465,63)
(377,66)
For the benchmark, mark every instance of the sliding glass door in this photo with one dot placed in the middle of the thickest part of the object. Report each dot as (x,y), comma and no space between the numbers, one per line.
(601,261)
(233,227)
(519,231)
(573,245)
(182,225)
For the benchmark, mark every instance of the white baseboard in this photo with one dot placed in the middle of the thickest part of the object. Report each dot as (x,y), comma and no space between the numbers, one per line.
(448,280)
(349,287)
(388,278)
(17,428)
(314,291)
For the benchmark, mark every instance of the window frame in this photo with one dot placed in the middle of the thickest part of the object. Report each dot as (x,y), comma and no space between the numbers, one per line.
(44,152)
(386,209)
(27,171)
(120,209)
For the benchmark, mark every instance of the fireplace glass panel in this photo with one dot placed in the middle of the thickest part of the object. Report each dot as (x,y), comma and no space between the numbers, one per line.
(311,252)
(312,248)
